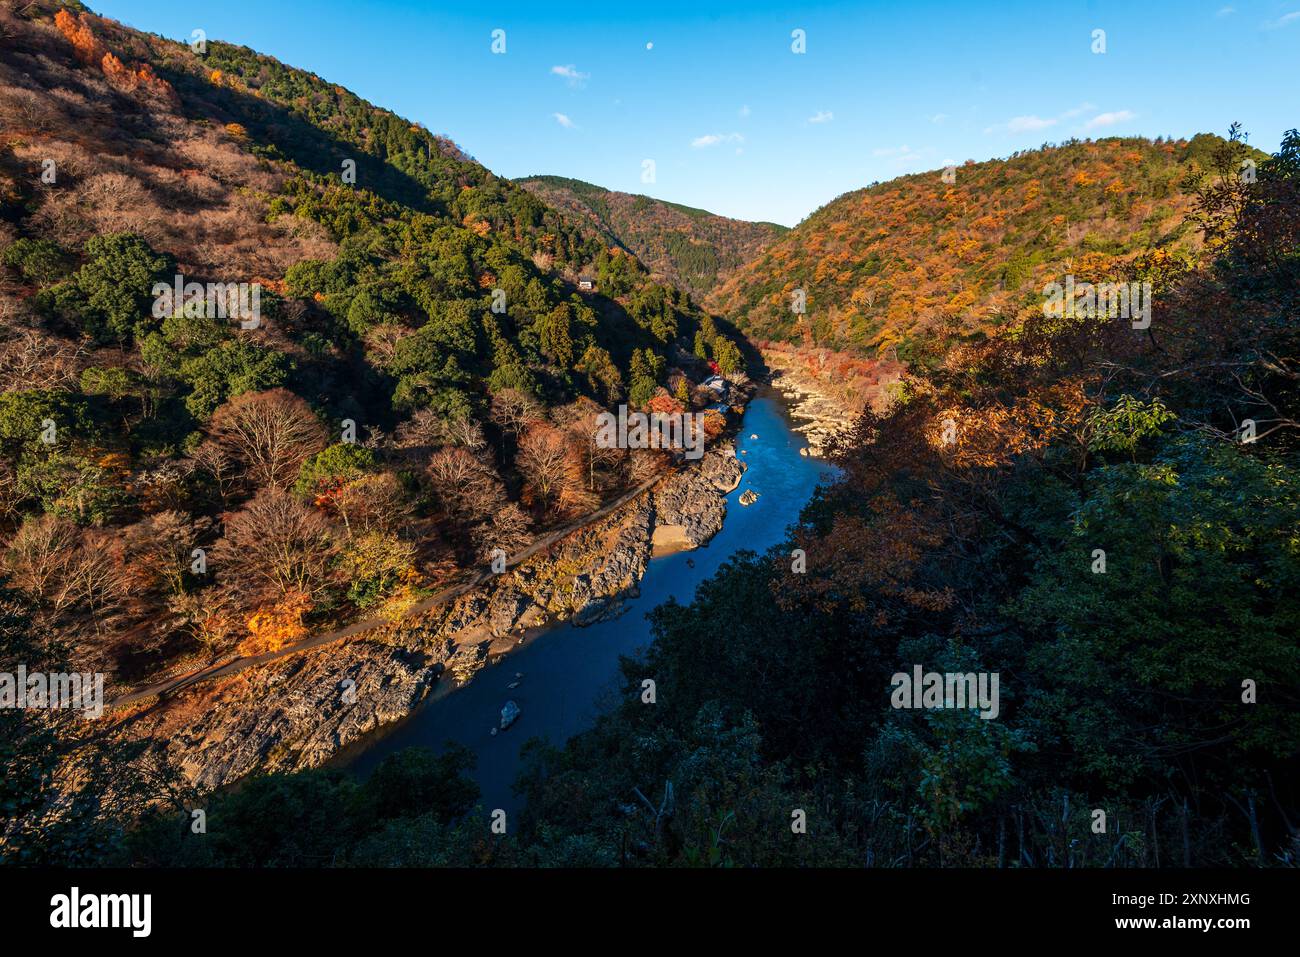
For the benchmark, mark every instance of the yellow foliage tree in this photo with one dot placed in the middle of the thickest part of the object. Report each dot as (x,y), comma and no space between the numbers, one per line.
(281,624)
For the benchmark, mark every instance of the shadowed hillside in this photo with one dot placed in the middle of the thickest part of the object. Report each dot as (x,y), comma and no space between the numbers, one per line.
(691,247)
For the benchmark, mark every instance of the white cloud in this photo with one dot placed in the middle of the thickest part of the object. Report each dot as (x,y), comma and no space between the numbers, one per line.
(822,116)
(1021,124)
(571,74)
(744,110)
(1226,11)
(903,157)
(1033,122)
(938,117)
(564,121)
(713,139)
(1109,119)
(1283,21)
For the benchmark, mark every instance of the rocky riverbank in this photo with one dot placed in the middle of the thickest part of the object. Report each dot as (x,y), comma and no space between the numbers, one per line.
(816,414)
(299,711)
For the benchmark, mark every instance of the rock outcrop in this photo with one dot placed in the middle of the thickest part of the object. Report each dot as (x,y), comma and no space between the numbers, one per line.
(694,500)
(293,713)
(816,415)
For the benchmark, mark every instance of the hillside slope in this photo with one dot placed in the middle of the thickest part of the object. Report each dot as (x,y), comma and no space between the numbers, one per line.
(413,392)
(918,257)
(1065,520)
(693,248)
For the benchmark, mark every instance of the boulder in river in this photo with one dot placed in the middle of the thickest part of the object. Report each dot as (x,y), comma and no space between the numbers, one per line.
(509,714)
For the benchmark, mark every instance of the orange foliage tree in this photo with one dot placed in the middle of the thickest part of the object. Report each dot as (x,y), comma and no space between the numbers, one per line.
(271,628)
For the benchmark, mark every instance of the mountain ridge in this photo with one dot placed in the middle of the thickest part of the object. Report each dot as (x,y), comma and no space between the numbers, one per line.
(689,246)
(918,257)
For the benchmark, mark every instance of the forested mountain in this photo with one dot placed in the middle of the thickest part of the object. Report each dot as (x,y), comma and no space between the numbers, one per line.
(1104,517)
(956,254)
(693,248)
(1102,514)
(405,400)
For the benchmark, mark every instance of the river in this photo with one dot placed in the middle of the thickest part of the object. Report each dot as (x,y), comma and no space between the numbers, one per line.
(567,670)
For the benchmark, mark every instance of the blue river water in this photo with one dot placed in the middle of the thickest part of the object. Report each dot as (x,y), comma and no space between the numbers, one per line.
(568,671)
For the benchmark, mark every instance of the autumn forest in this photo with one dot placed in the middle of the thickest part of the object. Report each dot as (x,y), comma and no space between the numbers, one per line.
(1099,509)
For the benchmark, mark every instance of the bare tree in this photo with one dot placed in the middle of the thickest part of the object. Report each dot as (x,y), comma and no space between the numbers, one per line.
(99,579)
(464,432)
(67,570)
(11,496)
(162,546)
(381,342)
(512,410)
(372,503)
(509,531)
(25,111)
(419,434)
(39,554)
(466,488)
(579,420)
(552,469)
(276,543)
(426,430)
(217,463)
(270,433)
(33,360)
(645,464)
(210,614)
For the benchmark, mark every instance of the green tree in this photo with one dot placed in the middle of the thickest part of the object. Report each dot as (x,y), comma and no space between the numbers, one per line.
(234,367)
(643,377)
(727,355)
(602,374)
(39,260)
(554,332)
(339,462)
(112,292)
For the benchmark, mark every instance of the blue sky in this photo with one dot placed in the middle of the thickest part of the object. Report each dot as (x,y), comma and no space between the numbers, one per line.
(738,123)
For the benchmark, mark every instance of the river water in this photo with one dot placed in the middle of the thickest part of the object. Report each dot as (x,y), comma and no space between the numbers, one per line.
(568,671)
